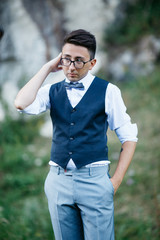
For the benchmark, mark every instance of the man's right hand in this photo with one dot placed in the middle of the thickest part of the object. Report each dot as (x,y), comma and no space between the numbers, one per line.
(54,64)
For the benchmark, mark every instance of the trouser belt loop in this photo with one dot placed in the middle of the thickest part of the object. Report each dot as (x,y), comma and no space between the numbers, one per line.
(90,171)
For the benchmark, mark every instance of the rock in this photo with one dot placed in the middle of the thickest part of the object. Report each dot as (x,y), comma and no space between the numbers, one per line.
(135,61)
(32,32)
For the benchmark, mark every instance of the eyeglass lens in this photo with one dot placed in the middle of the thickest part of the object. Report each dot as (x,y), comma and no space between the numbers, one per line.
(67,62)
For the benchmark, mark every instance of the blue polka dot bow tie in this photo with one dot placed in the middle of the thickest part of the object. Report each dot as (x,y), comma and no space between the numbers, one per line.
(77,85)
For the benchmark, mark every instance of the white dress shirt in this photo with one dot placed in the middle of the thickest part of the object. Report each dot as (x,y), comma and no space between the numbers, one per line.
(118,119)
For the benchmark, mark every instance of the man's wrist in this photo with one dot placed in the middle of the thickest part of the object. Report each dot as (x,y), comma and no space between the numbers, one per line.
(116,182)
(47,67)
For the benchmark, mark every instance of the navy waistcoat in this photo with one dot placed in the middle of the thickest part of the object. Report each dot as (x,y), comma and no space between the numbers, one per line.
(80,132)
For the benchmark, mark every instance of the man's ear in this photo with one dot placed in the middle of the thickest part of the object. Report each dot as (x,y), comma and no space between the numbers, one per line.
(93,62)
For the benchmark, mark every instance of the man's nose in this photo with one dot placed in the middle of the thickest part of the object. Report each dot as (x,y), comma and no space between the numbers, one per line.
(71,66)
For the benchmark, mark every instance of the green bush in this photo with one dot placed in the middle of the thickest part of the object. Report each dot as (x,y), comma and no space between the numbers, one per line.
(23,207)
(141,18)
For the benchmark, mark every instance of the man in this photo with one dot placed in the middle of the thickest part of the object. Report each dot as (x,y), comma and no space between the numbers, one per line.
(79,191)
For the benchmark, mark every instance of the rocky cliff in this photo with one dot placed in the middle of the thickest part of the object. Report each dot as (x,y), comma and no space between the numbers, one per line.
(33,33)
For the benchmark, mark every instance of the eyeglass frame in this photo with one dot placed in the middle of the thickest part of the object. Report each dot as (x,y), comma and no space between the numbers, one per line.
(74,62)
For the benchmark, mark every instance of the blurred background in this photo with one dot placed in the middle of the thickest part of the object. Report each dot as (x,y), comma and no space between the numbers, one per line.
(128,54)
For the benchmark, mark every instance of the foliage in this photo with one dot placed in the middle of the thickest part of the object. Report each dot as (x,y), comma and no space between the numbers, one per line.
(141,18)
(137,203)
(23,207)
(23,211)
(24,165)
(18,131)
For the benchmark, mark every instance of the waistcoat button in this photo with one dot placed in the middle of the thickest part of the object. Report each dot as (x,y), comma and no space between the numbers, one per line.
(73,110)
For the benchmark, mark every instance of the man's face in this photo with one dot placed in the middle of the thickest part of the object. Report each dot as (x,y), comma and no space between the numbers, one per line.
(74,52)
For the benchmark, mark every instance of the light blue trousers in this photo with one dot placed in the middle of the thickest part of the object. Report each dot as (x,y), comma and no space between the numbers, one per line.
(80,203)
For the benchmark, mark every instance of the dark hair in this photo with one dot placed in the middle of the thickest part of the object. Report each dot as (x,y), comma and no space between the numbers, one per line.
(82,38)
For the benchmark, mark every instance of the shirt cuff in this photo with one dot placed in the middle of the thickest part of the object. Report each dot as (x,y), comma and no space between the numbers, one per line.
(127,132)
(29,110)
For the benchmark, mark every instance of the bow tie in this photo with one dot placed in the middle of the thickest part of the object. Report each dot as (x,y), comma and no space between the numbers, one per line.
(71,85)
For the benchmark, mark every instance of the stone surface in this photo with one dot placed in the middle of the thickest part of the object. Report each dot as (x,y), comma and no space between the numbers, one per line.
(135,61)
(33,33)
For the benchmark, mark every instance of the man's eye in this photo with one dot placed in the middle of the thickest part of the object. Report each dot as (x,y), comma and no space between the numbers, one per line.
(79,61)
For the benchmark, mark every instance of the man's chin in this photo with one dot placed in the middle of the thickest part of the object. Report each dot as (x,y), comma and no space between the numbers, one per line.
(73,77)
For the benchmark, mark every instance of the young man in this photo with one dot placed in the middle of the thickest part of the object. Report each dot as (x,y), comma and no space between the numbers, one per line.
(79,191)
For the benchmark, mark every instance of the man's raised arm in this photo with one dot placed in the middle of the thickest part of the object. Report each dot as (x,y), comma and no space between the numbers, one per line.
(28,93)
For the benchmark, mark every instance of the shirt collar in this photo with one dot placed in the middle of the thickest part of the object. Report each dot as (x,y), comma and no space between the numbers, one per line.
(87,80)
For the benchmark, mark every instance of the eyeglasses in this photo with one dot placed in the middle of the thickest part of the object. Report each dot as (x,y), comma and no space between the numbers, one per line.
(77,63)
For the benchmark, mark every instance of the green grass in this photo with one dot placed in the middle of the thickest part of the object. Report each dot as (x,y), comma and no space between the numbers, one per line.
(24,165)
(137,203)
(23,168)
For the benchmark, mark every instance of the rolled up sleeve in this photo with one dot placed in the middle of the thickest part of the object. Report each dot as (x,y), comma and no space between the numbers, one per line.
(117,117)
(41,102)
(127,132)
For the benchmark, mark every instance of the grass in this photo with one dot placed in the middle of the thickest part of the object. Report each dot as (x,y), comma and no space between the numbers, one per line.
(137,203)
(23,206)
(24,165)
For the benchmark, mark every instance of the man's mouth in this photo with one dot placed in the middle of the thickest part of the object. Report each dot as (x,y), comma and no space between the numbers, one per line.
(72,74)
